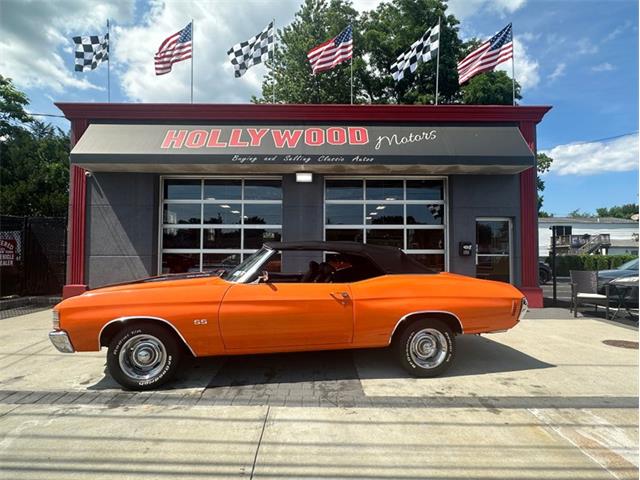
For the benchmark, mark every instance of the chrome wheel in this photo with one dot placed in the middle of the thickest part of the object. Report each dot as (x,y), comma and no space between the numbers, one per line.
(142,357)
(428,348)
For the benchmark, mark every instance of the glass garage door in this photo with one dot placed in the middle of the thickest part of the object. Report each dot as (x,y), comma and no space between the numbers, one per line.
(408,213)
(212,223)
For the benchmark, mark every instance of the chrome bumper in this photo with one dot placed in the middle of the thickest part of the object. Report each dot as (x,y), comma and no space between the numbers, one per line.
(61,341)
(524,308)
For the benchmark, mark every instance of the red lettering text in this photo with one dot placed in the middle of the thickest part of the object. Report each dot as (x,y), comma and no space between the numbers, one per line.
(214,137)
(336,136)
(288,137)
(314,137)
(256,135)
(174,139)
(196,139)
(358,136)
(234,141)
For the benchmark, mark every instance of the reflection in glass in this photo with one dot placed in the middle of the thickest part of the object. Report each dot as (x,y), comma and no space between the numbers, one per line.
(425,214)
(384,214)
(182,190)
(262,214)
(344,214)
(425,190)
(254,238)
(492,236)
(222,189)
(181,238)
(384,190)
(425,239)
(181,213)
(180,262)
(221,238)
(344,235)
(216,261)
(493,268)
(228,214)
(274,264)
(263,190)
(391,238)
(431,260)
(344,189)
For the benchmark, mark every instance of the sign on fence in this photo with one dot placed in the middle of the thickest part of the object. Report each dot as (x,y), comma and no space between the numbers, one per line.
(7,253)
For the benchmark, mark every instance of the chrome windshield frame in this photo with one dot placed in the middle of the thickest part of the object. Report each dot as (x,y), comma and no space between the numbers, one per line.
(264,254)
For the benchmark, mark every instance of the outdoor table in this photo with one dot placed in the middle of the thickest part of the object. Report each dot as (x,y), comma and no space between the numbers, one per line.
(624,287)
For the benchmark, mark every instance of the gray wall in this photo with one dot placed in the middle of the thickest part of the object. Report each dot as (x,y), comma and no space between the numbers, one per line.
(472,196)
(122,227)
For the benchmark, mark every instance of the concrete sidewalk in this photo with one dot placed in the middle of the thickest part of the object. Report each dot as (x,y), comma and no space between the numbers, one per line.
(547,399)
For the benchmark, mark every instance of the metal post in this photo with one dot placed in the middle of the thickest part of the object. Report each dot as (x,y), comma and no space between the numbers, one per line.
(108,62)
(352,79)
(273,62)
(513,68)
(553,264)
(192,53)
(438,59)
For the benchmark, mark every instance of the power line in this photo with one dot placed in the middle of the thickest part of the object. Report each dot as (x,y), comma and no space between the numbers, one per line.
(592,141)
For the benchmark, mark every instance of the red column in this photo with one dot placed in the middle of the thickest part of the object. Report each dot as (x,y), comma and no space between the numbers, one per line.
(529,224)
(77,219)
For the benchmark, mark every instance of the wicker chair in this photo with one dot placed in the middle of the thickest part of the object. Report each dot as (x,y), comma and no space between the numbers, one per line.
(584,289)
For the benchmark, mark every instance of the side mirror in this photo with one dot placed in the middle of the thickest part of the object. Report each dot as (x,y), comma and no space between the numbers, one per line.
(263,277)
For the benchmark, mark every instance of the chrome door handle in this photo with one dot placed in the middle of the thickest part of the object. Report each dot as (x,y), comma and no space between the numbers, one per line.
(342,296)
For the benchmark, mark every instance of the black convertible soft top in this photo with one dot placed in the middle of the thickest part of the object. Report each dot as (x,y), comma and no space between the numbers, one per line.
(388,259)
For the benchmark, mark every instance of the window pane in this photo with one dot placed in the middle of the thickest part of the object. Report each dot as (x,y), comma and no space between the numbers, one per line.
(425,239)
(182,190)
(227,214)
(493,268)
(255,237)
(221,238)
(346,235)
(391,238)
(344,190)
(180,262)
(492,236)
(262,214)
(425,190)
(434,261)
(344,214)
(181,238)
(385,214)
(263,190)
(177,213)
(274,264)
(222,189)
(216,261)
(384,190)
(425,214)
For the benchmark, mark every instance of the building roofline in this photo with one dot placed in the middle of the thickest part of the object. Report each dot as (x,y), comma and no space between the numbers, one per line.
(587,220)
(298,112)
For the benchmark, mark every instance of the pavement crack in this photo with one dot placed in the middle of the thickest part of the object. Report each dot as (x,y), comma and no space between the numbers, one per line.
(255,458)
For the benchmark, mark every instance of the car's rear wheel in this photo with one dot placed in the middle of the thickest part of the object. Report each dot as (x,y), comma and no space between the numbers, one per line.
(425,348)
(143,356)
(544,276)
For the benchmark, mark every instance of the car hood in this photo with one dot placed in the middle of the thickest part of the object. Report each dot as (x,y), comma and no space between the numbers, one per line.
(611,274)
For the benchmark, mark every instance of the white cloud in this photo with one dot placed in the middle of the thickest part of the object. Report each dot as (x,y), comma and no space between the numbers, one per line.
(463,9)
(34,30)
(616,32)
(216,28)
(558,71)
(526,68)
(603,67)
(585,47)
(592,158)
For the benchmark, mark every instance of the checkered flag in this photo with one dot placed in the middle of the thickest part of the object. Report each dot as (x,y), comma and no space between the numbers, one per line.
(245,55)
(91,51)
(423,50)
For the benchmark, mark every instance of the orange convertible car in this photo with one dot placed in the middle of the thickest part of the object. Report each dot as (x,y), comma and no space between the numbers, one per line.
(353,296)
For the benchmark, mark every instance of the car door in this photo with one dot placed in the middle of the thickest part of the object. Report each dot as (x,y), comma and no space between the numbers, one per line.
(271,315)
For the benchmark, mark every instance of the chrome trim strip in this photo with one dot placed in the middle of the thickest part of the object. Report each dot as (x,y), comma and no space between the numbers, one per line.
(425,311)
(145,317)
(60,340)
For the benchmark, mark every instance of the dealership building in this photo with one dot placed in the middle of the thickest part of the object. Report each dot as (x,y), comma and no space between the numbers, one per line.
(167,188)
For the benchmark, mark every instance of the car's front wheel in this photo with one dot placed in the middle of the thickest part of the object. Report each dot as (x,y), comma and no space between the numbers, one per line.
(425,348)
(143,356)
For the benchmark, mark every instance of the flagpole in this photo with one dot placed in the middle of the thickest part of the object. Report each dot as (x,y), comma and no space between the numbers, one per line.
(273,62)
(438,59)
(108,62)
(192,54)
(513,68)
(352,79)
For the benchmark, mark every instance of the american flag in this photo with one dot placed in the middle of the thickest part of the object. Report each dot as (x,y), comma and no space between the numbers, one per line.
(174,49)
(332,52)
(497,49)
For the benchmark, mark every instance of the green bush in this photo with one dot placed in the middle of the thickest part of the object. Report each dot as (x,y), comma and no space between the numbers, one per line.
(564,263)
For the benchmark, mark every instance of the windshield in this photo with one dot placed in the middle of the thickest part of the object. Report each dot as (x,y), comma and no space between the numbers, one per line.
(247,269)
(630,265)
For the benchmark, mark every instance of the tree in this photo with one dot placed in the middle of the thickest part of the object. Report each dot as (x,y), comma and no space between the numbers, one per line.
(34,173)
(543,162)
(543,214)
(379,37)
(618,211)
(578,214)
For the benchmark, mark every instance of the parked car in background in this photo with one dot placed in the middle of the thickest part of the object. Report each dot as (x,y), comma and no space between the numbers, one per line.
(628,269)
(544,273)
(354,296)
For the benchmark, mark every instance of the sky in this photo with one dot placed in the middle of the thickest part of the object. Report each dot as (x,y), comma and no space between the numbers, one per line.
(580,57)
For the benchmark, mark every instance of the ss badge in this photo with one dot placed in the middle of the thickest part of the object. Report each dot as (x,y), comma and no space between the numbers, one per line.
(200,321)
